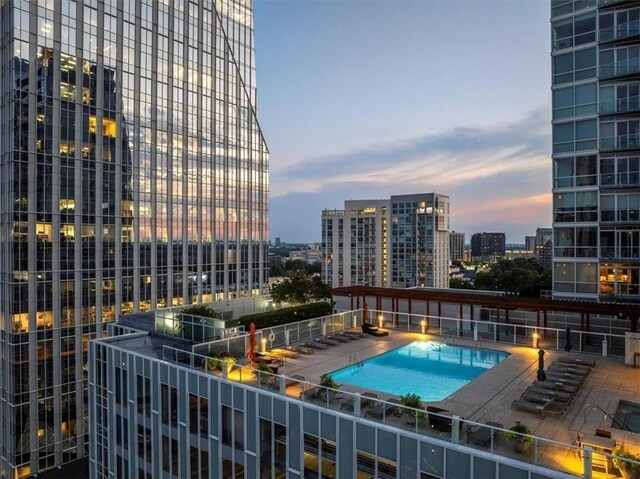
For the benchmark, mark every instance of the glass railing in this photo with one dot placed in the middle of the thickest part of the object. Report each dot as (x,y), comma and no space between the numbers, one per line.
(618,32)
(428,421)
(621,105)
(620,142)
(626,67)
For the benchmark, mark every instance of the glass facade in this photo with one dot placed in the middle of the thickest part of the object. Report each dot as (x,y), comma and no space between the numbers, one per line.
(596,146)
(134,176)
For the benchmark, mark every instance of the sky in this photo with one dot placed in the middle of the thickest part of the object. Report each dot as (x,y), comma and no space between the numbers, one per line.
(363,99)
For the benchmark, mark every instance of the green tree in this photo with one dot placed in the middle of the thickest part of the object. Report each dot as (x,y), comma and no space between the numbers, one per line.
(276,269)
(460,283)
(300,289)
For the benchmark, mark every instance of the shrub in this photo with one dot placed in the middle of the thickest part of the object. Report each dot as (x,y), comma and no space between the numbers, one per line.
(327,381)
(518,429)
(201,310)
(285,315)
(629,468)
(411,401)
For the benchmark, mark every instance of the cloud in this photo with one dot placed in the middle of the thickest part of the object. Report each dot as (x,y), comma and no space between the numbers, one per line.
(498,177)
(462,154)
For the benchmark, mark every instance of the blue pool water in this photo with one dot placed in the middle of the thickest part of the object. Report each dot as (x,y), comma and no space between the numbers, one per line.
(430,369)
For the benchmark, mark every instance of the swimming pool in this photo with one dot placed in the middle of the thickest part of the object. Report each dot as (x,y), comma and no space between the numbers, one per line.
(431,369)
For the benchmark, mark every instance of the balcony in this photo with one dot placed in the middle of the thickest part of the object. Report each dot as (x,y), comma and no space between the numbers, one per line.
(621,105)
(621,142)
(620,32)
(620,69)
(612,3)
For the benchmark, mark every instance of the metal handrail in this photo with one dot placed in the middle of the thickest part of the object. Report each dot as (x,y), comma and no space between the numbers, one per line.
(606,415)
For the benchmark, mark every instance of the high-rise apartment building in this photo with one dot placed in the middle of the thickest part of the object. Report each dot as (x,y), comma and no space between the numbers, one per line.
(400,242)
(133,177)
(456,246)
(530,243)
(596,149)
(488,247)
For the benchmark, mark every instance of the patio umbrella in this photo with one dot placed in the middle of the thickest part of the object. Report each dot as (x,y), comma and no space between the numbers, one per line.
(567,340)
(541,374)
(365,313)
(251,354)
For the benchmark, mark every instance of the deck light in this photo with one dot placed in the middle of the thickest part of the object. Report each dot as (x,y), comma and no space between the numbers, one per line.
(381,320)
(423,325)
(535,340)
(263,342)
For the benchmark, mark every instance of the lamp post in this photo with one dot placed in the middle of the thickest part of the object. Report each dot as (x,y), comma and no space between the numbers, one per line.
(263,345)
(535,340)
(423,325)
(381,320)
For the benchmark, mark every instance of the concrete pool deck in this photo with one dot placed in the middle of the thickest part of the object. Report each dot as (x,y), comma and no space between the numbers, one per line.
(488,398)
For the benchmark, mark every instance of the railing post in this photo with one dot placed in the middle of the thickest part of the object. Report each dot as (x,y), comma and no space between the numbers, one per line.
(455,429)
(282,383)
(357,404)
(587,462)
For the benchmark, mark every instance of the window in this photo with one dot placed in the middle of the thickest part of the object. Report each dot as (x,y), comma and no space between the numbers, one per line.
(574,101)
(574,31)
(578,136)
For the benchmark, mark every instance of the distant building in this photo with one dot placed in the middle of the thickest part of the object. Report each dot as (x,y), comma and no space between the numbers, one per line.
(400,242)
(488,247)
(456,246)
(530,243)
(277,242)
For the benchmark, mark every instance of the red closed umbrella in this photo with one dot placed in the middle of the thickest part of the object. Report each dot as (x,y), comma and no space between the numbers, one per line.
(365,313)
(251,355)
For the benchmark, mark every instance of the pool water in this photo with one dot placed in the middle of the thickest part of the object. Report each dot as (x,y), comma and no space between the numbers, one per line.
(627,416)
(430,369)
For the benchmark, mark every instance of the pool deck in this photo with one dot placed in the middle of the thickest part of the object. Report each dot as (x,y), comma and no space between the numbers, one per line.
(488,398)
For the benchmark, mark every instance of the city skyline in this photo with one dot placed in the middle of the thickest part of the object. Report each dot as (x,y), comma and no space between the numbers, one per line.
(359,120)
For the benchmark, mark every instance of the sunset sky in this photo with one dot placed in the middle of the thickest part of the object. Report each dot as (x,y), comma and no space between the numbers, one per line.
(364,99)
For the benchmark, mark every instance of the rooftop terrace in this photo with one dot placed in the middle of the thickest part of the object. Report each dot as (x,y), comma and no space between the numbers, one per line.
(486,401)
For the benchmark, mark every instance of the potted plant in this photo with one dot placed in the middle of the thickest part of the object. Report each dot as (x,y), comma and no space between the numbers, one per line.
(213,362)
(629,470)
(410,401)
(262,371)
(227,361)
(327,381)
(519,436)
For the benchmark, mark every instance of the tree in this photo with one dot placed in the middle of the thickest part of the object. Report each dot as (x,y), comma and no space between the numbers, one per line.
(460,283)
(300,289)
(521,276)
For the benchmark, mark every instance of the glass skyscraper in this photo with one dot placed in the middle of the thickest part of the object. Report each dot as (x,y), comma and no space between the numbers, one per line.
(596,149)
(133,176)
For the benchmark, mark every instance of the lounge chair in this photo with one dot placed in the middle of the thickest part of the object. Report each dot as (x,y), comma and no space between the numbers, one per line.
(557,386)
(289,381)
(554,407)
(559,395)
(365,401)
(348,337)
(354,334)
(314,345)
(581,361)
(299,349)
(311,393)
(482,435)
(285,353)
(567,368)
(336,337)
(565,377)
(532,407)
(381,409)
(440,419)
(328,342)
(369,328)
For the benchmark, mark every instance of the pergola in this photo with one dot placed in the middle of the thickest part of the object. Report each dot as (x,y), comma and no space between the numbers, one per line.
(501,303)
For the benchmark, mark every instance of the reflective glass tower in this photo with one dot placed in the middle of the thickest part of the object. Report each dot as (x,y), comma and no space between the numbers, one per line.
(133,176)
(596,149)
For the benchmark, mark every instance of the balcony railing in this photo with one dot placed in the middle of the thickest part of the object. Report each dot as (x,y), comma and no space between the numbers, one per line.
(621,142)
(621,68)
(619,32)
(547,453)
(608,3)
(621,105)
